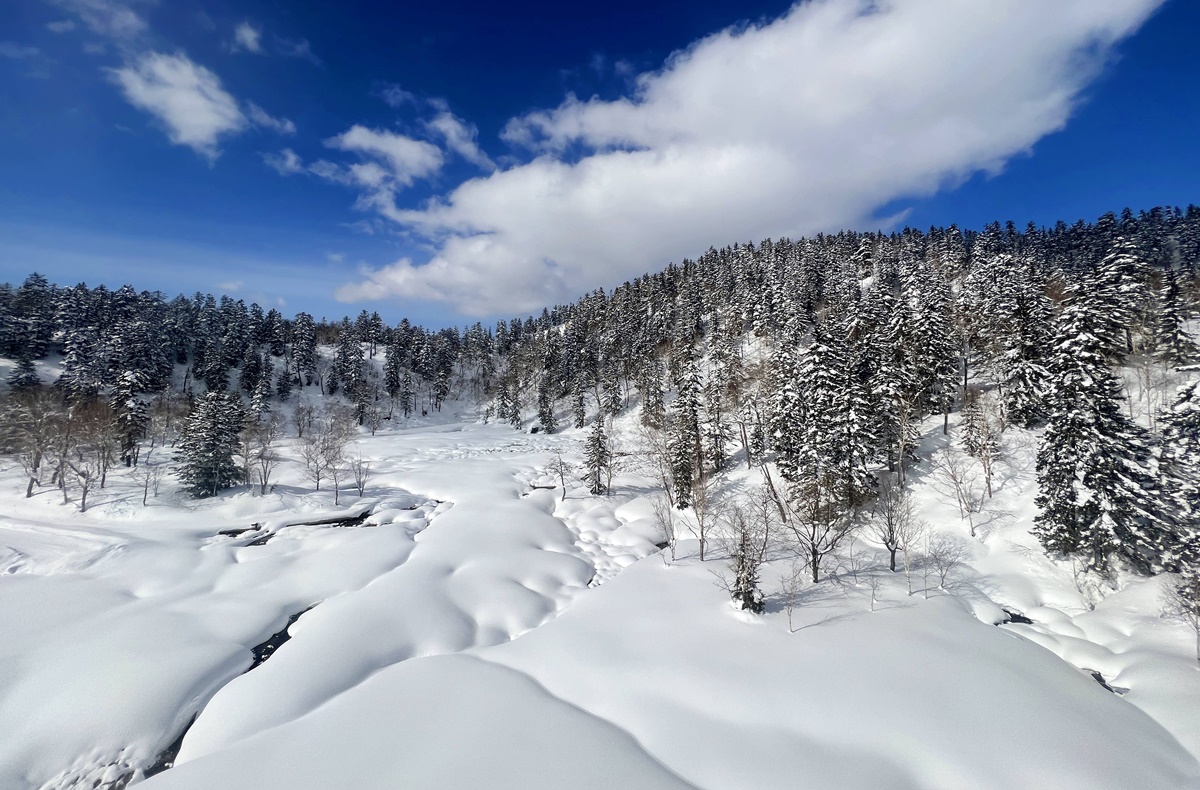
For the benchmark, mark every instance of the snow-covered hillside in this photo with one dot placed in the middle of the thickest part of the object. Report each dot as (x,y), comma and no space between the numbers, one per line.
(477,630)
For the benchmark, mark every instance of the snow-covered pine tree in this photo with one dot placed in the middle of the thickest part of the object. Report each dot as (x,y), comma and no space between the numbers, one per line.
(260,399)
(649,384)
(284,383)
(82,372)
(208,445)
(1097,499)
(1171,342)
(684,444)
(1179,470)
(392,370)
(407,397)
(545,402)
(24,376)
(597,458)
(304,347)
(129,414)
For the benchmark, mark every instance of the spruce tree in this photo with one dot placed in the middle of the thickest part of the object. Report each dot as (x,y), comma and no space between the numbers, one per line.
(208,445)
(24,376)
(1179,470)
(1096,496)
(130,414)
(597,458)
(407,395)
(546,406)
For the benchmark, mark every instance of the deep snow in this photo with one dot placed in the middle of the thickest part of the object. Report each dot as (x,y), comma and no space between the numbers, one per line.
(495,636)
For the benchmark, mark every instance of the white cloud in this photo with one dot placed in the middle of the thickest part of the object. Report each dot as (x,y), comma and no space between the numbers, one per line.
(185,96)
(61,26)
(335,257)
(460,137)
(8,49)
(809,122)
(259,117)
(396,97)
(94,48)
(247,37)
(407,158)
(106,17)
(231,286)
(287,162)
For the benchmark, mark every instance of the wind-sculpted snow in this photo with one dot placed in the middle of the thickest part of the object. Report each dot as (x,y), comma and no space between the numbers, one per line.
(918,694)
(115,634)
(440,722)
(479,631)
(493,567)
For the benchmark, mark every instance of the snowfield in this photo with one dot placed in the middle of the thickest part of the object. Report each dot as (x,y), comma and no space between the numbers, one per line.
(478,631)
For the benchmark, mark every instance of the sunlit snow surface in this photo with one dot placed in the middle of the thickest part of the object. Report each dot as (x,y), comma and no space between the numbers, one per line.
(478,632)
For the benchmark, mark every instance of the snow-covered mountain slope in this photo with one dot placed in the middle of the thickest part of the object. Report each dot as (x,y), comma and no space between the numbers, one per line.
(478,631)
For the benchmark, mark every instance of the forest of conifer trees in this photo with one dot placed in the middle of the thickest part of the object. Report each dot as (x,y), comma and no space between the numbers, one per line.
(823,355)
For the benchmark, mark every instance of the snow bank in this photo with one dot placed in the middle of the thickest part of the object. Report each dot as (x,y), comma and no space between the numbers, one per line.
(444,722)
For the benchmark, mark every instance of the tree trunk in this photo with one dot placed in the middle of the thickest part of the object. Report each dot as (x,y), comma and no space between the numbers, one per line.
(746,444)
(816,565)
(892,560)
(29,488)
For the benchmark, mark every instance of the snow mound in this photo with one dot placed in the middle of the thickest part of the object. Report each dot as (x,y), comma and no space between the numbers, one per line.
(499,729)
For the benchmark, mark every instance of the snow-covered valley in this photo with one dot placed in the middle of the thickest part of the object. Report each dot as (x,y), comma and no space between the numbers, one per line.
(477,630)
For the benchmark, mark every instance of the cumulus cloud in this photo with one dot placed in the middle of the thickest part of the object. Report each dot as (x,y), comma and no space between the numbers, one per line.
(808,122)
(247,38)
(409,159)
(190,102)
(187,98)
(460,137)
(287,162)
(389,162)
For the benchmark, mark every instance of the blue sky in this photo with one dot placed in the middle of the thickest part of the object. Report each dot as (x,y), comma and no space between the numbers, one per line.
(486,160)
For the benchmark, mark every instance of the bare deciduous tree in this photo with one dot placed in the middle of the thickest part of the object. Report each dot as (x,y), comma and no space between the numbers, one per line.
(705,509)
(360,469)
(149,474)
(260,443)
(874,583)
(793,583)
(819,521)
(323,450)
(303,416)
(958,475)
(654,450)
(560,469)
(664,518)
(1182,594)
(32,422)
(910,539)
(944,554)
(892,518)
(745,540)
